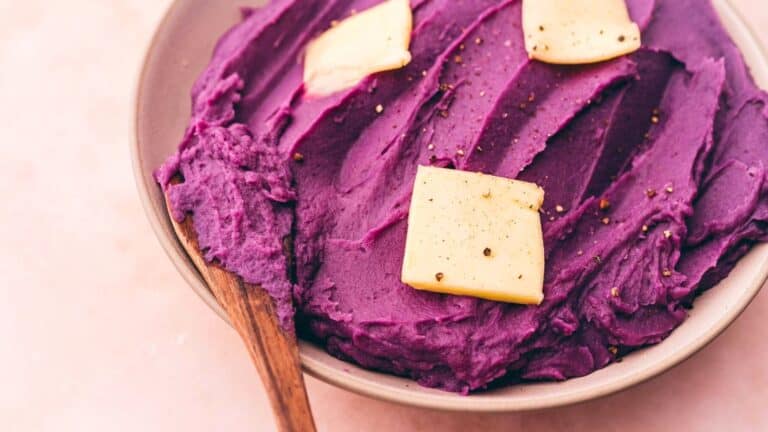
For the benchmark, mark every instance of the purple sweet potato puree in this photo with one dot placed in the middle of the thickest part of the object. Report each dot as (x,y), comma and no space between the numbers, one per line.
(671,138)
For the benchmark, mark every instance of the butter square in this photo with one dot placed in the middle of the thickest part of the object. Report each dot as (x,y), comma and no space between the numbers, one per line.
(578,31)
(371,41)
(475,235)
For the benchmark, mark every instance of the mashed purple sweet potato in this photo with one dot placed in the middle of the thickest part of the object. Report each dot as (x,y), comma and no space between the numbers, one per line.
(653,165)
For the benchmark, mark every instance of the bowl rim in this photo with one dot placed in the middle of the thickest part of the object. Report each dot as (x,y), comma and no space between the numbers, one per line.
(757,59)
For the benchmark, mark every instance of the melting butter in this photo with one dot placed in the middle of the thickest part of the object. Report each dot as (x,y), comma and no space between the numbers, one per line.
(475,235)
(578,31)
(371,41)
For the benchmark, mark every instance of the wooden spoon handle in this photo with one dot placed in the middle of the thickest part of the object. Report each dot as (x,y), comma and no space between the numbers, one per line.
(273,350)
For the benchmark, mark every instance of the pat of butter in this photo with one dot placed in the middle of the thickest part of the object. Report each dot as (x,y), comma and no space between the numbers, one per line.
(371,41)
(578,31)
(475,235)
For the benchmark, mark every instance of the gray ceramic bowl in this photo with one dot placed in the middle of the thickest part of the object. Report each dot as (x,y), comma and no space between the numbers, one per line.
(179,52)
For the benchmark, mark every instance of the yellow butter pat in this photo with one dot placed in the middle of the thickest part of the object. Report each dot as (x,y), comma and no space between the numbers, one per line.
(368,42)
(475,235)
(578,31)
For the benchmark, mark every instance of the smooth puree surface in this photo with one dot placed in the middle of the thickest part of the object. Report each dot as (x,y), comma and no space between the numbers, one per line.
(656,161)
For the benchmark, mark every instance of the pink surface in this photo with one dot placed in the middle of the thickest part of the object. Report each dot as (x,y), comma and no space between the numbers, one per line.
(99,332)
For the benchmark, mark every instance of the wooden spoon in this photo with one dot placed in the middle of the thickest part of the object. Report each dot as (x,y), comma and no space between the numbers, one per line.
(273,350)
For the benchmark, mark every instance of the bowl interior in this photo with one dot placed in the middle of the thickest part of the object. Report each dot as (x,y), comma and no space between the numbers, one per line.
(180,51)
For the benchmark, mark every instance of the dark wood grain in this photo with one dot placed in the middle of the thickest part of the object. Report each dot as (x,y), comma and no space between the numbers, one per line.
(273,350)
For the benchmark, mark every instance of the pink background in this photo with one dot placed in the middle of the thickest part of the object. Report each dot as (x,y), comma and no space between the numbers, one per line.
(99,332)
